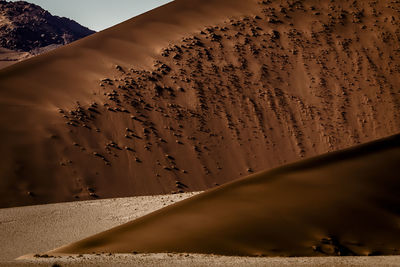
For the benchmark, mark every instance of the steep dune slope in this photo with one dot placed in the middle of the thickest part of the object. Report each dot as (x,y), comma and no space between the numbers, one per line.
(342,203)
(196,93)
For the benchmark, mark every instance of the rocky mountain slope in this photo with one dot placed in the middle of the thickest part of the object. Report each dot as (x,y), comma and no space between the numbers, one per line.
(163,103)
(25,27)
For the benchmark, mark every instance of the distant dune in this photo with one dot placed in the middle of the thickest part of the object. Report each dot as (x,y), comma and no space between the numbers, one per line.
(195,94)
(9,57)
(344,203)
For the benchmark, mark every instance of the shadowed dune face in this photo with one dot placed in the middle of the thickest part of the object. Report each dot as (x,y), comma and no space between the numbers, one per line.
(343,203)
(185,98)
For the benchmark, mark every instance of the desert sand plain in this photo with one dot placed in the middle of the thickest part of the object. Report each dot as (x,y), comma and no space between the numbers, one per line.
(40,228)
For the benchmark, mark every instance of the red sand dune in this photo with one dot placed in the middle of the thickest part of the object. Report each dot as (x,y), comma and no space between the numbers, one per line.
(197,93)
(342,203)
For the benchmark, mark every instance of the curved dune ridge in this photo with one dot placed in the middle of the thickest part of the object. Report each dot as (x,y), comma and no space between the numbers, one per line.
(196,93)
(341,203)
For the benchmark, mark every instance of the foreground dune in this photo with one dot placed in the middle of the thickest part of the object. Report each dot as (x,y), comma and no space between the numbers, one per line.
(197,93)
(343,203)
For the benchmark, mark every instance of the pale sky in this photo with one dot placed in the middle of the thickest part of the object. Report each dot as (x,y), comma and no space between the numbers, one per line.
(98,14)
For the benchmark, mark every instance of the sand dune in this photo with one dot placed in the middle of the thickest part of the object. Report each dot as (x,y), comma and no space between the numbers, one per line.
(343,203)
(9,57)
(197,93)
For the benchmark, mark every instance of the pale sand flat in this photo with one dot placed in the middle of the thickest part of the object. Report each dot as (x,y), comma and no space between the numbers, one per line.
(205,260)
(35,229)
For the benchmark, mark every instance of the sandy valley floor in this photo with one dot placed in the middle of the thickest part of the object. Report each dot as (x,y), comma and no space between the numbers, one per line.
(206,260)
(36,229)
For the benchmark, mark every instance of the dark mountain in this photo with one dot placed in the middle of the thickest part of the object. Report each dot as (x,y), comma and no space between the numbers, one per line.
(25,27)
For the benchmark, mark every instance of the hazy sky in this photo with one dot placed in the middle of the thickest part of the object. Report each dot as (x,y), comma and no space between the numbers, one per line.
(98,14)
